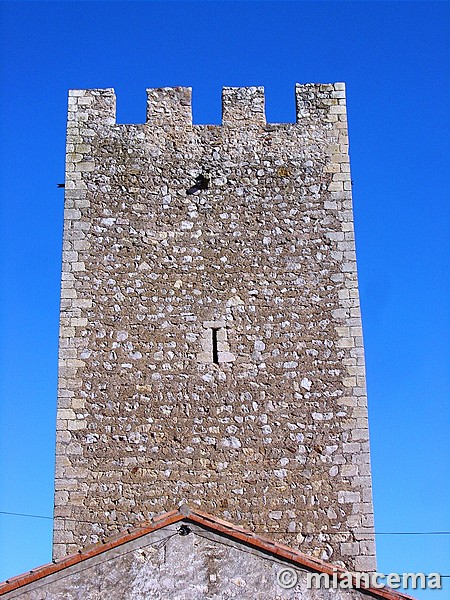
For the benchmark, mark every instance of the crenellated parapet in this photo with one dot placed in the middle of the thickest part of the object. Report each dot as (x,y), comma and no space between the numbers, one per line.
(92,106)
(168,107)
(324,102)
(241,106)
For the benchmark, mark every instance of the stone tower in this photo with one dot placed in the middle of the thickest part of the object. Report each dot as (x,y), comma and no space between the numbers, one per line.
(210,345)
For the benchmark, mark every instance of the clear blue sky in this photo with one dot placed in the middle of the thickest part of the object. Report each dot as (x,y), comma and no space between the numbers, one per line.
(394,57)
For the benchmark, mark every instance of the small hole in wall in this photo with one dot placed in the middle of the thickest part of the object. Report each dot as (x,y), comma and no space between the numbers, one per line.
(215,349)
(215,353)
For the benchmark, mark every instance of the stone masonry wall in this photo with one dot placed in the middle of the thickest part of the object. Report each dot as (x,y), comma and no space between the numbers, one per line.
(210,344)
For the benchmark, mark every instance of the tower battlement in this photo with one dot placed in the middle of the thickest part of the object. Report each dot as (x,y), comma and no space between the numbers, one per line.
(241,106)
(210,342)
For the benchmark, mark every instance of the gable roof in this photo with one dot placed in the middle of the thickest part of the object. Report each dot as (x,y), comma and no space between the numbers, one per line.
(213,524)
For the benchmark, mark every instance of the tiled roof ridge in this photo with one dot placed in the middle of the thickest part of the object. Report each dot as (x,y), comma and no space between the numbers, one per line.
(185,513)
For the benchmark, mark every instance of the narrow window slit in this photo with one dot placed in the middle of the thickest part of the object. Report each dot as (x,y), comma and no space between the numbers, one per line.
(215,352)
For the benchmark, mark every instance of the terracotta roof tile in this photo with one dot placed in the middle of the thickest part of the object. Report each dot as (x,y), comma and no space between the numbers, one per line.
(203,519)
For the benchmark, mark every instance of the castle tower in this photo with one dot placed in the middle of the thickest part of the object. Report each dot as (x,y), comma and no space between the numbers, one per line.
(210,344)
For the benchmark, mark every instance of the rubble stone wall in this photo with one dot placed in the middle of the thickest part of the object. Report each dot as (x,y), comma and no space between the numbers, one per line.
(210,343)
